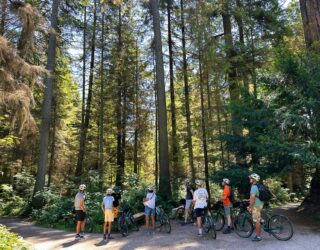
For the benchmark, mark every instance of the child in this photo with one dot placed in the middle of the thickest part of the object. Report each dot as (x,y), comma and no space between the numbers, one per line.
(150,209)
(107,207)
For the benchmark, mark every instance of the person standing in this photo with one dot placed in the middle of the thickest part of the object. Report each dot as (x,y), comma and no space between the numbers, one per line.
(149,203)
(189,198)
(255,206)
(107,209)
(200,198)
(227,204)
(80,211)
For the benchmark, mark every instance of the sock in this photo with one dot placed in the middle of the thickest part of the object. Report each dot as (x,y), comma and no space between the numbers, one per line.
(200,230)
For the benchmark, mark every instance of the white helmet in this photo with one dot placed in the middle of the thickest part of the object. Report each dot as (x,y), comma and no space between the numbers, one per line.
(226,181)
(109,191)
(254,176)
(150,188)
(82,187)
(187,180)
(199,182)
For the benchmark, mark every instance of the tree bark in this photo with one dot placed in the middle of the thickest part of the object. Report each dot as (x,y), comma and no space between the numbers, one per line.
(310,12)
(3,16)
(186,93)
(84,132)
(53,144)
(164,182)
(84,67)
(46,109)
(175,150)
(136,127)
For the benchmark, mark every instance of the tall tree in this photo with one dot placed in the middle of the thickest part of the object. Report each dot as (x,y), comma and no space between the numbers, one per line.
(187,91)
(164,182)
(48,94)
(84,131)
(3,7)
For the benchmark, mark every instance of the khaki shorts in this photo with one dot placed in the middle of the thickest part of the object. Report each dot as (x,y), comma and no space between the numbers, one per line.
(256,214)
(108,216)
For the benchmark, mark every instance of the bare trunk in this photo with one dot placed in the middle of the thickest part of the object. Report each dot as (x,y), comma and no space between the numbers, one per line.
(84,132)
(84,67)
(136,129)
(175,150)
(186,93)
(3,16)
(53,144)
(46,109)
(164,182)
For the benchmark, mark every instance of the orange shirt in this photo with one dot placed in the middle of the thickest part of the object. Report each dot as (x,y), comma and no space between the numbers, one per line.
(226,193)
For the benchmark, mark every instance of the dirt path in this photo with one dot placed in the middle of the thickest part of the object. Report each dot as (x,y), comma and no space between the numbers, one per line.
(180,238)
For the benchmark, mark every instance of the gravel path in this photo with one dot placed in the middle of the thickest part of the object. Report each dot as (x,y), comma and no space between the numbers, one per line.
(305,237)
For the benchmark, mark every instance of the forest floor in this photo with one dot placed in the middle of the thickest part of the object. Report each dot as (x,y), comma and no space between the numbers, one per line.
(306,236)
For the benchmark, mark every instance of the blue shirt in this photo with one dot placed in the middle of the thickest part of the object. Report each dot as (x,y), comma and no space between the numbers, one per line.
(255,191)
(108,201)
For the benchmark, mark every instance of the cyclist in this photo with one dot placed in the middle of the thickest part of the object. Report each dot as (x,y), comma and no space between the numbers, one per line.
(189,198)
(107,207)
(200,198)
(256,205)
(117,197)
(227,204)
(149,203)
(80,211)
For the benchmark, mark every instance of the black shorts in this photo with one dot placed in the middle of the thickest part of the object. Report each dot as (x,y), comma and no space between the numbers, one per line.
(80,215)
(199,212)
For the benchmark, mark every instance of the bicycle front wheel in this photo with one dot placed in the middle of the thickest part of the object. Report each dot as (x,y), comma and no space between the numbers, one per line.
(218,221)
(209,227)
(123,226)
(133,224)
(243,225)
(280,227)
(165,224)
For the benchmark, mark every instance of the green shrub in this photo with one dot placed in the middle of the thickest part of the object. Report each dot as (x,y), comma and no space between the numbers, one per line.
(281,195)
(9,241)
(10,203)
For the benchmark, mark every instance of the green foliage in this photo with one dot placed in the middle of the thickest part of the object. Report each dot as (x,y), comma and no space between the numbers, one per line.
(281,194)
(10,203)
(10,241)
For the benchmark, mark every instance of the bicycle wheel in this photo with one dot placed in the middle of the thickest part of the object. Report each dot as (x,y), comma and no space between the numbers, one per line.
(209,227)
(133,224)
(180,214)
(89,225)
(165,223)
(122,226)
(243,225)
(219,221)
(280,227)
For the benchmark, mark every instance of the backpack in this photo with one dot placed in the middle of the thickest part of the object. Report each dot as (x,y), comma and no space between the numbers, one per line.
(232,197)
(264,193)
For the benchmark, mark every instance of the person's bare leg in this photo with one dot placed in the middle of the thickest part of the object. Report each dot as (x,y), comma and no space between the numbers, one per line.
(78,227)
(109,228)
(153,222)
(186,212)
(258,228)
(147,222)
(105,227)
(229,220)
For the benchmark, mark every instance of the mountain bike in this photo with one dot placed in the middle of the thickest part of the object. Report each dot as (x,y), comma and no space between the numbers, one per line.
(208,224)
(180,214)
(217,214)
(277,225)
(126,221)
(71,222)
(163,220)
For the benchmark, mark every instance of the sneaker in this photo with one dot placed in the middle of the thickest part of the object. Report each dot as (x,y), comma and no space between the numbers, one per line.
(104,237)
(256,238)
(147,233)
(109,237)
(81,236)
(199,235)
(78,237)
(227,230)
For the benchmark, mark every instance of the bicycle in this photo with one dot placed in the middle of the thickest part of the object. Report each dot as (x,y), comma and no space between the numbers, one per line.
(208,224)
(162,218)
(126,221)
(217,214)
(71,222)
(276,224)
(180,214)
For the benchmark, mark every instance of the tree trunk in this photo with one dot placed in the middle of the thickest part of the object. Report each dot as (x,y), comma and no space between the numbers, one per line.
(3,16)
(136,126)
(46,109)
(175,150)
(119,108)
(186,92)
(84,132)
(84,67)
(164,182)
(53,144)
(101,122)
(310,12)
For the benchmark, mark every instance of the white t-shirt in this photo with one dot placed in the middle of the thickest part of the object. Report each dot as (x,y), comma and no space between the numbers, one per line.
(151,203)
(200,197)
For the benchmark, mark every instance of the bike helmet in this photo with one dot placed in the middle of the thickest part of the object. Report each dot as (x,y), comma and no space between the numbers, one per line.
(150,188)
(109,191)
(187,180)
(199,182)
(226,181)
(117,190)
(254,176)
(82,187)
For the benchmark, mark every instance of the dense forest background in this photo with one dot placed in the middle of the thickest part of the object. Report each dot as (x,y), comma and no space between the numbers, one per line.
(132,92)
